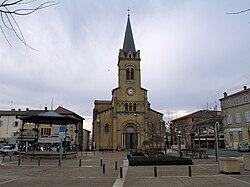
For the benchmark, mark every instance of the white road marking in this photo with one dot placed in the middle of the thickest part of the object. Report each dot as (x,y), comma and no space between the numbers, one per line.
(8,181)
(120,181)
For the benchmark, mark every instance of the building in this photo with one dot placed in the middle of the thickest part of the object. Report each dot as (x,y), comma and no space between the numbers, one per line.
(77,132)
(196,130)
(9,125)
(127,121)
(12,129)
(236,113)
(86,140)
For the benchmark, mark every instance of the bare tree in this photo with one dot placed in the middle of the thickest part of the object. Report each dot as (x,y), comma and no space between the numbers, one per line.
(11,9)
(239,12)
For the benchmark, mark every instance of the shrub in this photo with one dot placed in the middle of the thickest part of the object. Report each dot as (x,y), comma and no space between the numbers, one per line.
(166,160)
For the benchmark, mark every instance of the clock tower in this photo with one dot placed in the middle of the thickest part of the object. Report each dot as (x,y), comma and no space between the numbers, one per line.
(127,121)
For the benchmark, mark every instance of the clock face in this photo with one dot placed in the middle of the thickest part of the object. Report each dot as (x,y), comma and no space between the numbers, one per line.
(130,91)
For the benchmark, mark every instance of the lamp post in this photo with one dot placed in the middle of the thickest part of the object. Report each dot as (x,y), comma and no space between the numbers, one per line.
(135,114)
(35,134)
(179,138)
(163,133)
(165,139)
(169,140)
(216,127)
(97,143)
(65,139)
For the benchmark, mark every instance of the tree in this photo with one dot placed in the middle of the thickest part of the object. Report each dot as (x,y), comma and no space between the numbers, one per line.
(11,9)
(239,12)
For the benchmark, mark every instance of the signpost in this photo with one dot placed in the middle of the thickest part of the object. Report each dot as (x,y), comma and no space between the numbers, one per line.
(62,131)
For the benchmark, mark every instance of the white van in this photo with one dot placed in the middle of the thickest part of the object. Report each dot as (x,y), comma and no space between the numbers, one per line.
(9,150)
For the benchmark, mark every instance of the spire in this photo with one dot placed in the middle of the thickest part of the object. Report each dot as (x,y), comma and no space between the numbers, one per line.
(128,44)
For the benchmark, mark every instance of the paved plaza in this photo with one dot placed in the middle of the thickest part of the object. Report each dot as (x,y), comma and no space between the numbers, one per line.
(87,170)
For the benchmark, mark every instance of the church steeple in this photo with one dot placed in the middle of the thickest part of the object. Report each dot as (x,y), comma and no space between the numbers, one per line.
(128,44)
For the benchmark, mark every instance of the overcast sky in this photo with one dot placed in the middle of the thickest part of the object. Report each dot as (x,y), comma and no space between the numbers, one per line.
(191,52)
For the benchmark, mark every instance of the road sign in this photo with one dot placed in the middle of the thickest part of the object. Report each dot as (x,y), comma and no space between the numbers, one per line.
(61,135)
(62,129)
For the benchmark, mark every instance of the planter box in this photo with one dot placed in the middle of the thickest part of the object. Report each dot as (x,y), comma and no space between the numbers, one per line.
(229,166)
(157,163)
(144,161)
(246,158)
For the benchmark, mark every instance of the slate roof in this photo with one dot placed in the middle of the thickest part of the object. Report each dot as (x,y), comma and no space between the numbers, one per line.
(128,44)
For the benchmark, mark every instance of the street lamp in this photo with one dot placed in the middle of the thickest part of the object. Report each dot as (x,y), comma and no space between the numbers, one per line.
(163,132)
(165,139)
(35,134)
(169,140)
(97,136)
(135,114)
(216,128)
(179,138)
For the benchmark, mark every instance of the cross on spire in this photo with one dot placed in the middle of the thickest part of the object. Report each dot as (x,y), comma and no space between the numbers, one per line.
(128,11)
(128,44)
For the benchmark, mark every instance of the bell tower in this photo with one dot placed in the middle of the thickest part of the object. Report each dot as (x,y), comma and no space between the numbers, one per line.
(129,76)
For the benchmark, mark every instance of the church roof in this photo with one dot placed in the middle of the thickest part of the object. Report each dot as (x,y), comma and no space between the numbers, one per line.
(128,44)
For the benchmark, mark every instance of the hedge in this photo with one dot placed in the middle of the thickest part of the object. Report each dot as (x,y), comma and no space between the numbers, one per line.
(166,160)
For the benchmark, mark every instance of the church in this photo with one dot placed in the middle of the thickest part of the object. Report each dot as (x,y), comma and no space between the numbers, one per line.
(127,122)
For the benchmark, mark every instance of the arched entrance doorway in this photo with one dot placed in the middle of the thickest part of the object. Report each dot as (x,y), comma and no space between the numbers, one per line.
(130,137)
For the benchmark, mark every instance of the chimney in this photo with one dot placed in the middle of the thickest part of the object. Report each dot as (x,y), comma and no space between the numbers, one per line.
(245,87)
(225,94)
(45,108)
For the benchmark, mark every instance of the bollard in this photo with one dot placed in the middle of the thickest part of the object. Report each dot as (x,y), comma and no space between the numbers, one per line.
(80,162)
(120,171)
(59,162)
(19,161)
(155,171)
(189,171)
(115,165)
(39,160)
(101,162)
(103,168)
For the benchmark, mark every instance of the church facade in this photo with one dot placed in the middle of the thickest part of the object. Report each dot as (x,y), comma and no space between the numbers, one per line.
(127,122)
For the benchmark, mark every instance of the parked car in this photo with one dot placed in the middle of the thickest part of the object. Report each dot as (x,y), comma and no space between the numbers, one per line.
(243,147)
(9,150)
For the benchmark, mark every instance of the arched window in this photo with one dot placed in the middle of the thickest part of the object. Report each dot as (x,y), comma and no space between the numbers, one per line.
(106,128)
(126,107)
(134,107)
(152,128)
(130,107)
(132,73)
(127,74)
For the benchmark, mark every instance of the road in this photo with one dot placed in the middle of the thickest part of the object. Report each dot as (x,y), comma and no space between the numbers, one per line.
(48,172)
